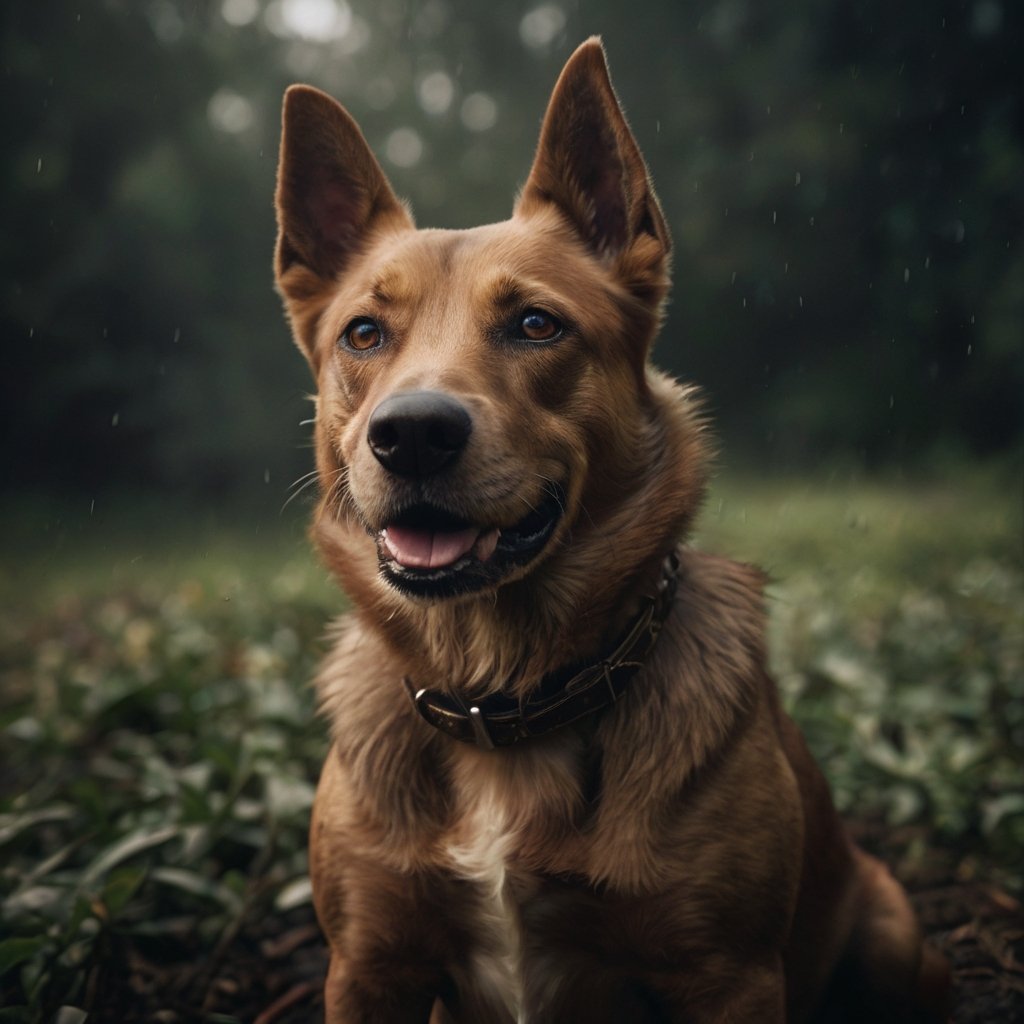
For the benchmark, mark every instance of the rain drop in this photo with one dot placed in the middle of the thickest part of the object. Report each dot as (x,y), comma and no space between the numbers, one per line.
(436,92)
(229,111)
(404,147)
(115,419)
(539,27)
(239,12)
(479,112)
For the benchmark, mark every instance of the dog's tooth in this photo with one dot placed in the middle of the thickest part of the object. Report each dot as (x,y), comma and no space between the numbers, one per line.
(486,543)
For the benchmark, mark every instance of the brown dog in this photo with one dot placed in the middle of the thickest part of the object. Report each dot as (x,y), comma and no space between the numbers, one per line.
(537,808)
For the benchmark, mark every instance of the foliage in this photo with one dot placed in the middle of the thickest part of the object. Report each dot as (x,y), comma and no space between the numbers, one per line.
(159,742)
(841,181)
(159,751)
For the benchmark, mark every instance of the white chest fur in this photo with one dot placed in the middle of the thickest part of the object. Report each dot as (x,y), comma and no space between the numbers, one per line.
(507,801)
(479,854)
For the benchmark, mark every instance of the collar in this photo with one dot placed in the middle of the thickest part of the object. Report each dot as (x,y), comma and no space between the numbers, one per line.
(498,720)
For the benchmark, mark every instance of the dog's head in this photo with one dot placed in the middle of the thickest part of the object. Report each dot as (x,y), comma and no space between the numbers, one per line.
(484,399)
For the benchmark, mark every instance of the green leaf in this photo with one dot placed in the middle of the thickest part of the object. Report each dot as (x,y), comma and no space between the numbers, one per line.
(296,893)
(47,901)
(17,951)
(130,846)
(16,1015)
(12,825)
(197,885)
(1000,808)
(121,887)
(70,1015)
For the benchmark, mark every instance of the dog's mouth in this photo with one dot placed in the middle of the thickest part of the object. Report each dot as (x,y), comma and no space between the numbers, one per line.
(428,551)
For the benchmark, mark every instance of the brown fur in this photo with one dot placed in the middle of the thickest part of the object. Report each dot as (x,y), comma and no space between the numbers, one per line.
(674,857)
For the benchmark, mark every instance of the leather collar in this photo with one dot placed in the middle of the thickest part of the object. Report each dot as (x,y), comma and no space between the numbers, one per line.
(499,720)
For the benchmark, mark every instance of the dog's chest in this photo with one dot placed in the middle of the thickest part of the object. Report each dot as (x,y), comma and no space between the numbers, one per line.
(481,855)
(485,849)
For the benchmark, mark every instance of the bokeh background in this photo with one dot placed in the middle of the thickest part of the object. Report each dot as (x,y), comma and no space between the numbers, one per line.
(843,181)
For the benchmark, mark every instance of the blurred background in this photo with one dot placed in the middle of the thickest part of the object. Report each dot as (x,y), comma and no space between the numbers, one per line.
(843,181)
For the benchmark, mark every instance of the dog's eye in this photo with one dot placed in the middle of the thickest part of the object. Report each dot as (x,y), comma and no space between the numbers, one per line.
(361,334)
(536,325)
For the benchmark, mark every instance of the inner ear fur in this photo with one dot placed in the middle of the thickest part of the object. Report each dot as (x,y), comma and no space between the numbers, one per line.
(589,165)
(331,193)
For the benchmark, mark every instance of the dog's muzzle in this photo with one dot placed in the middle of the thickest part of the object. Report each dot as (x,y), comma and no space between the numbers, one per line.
(431,545)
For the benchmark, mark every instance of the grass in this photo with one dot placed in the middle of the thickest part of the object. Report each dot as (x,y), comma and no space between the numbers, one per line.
(158,742)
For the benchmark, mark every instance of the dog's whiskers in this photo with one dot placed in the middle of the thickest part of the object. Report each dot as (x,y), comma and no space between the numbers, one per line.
(304,482)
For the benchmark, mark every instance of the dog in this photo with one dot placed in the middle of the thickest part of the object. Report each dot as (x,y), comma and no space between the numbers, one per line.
(561,787)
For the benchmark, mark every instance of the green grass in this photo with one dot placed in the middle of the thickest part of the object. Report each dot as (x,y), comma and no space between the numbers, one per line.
(159,743)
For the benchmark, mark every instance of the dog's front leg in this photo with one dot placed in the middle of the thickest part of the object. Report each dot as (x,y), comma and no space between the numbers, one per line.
(387,997)
(386,926)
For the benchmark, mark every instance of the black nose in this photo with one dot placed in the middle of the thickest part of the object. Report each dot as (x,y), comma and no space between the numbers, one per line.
(417,433)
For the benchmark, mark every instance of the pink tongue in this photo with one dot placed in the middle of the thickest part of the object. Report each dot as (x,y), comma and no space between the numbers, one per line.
(428,549)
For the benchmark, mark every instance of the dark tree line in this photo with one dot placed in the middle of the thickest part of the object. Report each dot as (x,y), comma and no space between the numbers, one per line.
(842,179)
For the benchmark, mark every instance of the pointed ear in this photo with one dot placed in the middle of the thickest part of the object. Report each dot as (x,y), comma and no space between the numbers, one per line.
(589,165)
(330,191)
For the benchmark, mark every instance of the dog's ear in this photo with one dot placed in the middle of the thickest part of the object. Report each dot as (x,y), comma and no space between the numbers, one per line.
(589,165)
(331,193)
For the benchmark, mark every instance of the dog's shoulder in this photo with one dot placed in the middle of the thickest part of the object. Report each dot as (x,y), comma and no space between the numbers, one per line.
(721,606)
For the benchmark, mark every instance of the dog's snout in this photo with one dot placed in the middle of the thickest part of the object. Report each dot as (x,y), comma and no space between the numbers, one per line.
(418,433)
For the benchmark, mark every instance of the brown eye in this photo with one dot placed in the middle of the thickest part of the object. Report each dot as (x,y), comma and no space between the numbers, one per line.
(361,334)
(536,325)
